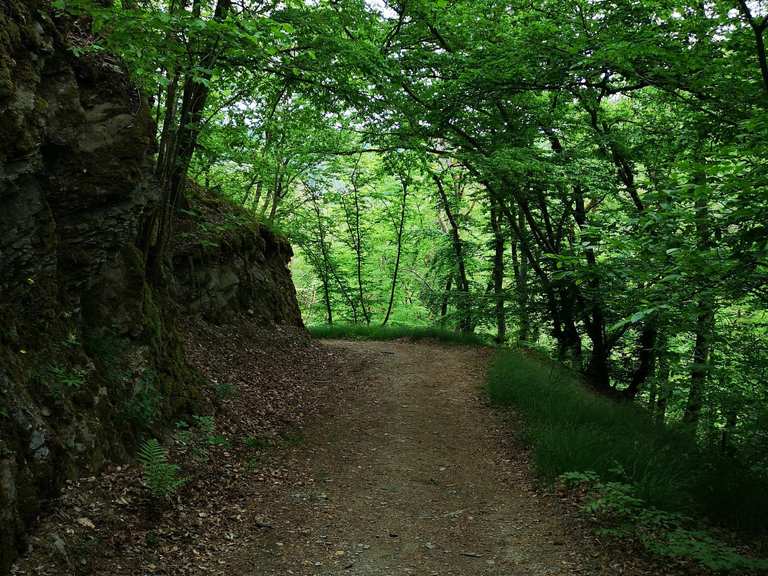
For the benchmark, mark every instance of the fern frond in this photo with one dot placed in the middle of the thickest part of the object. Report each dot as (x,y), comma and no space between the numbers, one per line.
(160,476)
(151,453)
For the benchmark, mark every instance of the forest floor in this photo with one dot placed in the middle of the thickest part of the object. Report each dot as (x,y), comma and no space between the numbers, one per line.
(385,460)
(412,477)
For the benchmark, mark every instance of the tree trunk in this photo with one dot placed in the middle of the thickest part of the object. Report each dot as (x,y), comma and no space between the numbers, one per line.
(646,357)
(167,135)
(726,439)
(276,199)
(359,259)
(598,368)
(569,348)
(498,274)
(257,194)
(249,188)
(520,268)
(653,395)
(445,300)
(700,366)
(352,219)
(464,304)
(178,157)
(400,228)
(327,298)
(325,268)
(705,319)
(758,28)
(559,296)
(665,390)
(563,326)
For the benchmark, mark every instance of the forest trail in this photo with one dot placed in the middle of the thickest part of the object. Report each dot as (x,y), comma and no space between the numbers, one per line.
(410,476)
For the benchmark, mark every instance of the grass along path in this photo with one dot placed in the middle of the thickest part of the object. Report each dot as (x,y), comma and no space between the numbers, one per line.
(648,482)
(395,332)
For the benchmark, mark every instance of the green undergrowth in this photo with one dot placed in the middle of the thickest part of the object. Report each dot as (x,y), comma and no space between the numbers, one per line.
(574,432)
(363,332)
(619,513)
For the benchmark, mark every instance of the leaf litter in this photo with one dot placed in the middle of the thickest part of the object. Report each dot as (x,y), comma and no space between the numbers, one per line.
(359,458)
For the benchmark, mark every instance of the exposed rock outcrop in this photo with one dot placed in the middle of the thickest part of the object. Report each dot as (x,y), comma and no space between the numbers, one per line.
(224,262)
(89,355)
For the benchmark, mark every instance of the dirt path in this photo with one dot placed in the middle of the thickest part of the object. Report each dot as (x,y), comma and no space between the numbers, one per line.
(409,477)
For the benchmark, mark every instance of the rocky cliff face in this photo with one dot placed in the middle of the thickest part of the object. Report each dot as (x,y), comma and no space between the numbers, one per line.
(224,262)
(89,357)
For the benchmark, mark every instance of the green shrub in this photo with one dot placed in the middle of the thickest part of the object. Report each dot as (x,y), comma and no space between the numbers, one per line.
(257,442)
(205,424)
(218,440)
(160,476)
(197,439)
(109,354)
(225,390)
(184,435)
(572,429)
(143,408)
(66,379)
(620,513)
(72,340)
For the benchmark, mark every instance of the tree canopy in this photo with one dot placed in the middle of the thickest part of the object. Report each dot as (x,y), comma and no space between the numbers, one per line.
(586,177)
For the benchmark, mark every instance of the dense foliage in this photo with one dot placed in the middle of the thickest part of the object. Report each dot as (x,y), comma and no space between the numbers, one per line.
(585,177)
(574,430)
(640,481)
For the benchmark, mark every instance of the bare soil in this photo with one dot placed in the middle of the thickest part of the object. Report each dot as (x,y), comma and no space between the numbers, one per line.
(411,476)
(341,458)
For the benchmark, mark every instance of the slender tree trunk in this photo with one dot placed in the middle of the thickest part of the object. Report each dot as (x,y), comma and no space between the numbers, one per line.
(760,45)
(646,357)
(400,228)
(758,28)
(445,300)
(325,274)
(559,296)
(726,438)
(700,366)
(359,258)
(465,321)
(327,298)
(569,341)
(265,204)
(257,194)
(705,319)
(520,268)
(344,292)
(653,395)
(276,199)
(328,265)
(598,368)
(498,273)
(195,96)
(158,105)
(249,187)
(167,134)
(352,220)
(664,385)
